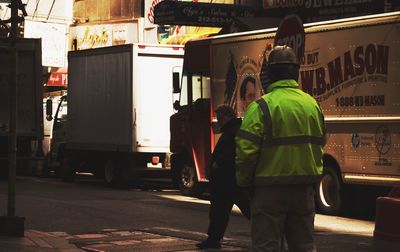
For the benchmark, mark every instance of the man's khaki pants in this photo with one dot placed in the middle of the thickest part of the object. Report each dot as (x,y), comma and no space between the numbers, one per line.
(283,211)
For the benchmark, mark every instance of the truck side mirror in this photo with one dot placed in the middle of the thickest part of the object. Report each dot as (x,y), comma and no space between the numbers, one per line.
(177,105)
(175,82)
(49,109)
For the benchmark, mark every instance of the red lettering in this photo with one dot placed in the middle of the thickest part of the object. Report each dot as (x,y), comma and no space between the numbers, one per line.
(150,15)
(348,67)
(307,79)
(320,80)
(383,59)
(335,72)
(359,60)
(370,59)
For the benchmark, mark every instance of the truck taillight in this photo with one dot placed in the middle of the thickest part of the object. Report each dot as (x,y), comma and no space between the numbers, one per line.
(155,160)
(141,46)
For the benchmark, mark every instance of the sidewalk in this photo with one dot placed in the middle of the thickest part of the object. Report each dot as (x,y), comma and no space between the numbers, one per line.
(36,241)
(156,240)
(165,239)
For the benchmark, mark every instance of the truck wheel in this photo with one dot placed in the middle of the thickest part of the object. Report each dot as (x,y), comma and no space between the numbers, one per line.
(115,174)
(40,169)
(66,172)
(36,169)
(329,192)
(68,164)
(188,183)
(3,170)
(110,172)
(46,168)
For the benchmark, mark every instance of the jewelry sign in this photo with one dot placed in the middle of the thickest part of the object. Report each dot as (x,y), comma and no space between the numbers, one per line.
(319,10)
(199,14)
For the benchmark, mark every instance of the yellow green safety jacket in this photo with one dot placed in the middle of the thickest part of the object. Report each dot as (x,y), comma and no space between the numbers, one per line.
(281,138)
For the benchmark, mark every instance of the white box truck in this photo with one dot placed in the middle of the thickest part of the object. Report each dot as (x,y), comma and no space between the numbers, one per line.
(119,104)
(350,66)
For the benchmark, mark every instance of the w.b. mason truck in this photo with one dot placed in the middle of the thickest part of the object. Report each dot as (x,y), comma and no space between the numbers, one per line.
(119,102)
(351,67)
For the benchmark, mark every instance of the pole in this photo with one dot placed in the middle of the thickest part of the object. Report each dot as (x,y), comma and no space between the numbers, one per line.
(12,160)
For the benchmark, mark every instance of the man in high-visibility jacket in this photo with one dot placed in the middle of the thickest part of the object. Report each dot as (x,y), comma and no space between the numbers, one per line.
(279,150)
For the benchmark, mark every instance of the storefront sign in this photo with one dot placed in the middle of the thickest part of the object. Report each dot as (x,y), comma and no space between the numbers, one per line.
(319,10)
(149,13)
(199,14)
(94,36)
(58,79)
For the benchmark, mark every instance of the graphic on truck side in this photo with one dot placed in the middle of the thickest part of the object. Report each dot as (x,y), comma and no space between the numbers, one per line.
(349,66)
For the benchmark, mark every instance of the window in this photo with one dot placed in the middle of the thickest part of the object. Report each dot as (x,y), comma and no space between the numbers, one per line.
(61,114)
(200,88)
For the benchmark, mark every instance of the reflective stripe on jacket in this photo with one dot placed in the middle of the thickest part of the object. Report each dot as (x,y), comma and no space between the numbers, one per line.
(281,138)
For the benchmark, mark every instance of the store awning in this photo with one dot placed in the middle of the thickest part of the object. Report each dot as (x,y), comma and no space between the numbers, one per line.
(199,14)
(192,33)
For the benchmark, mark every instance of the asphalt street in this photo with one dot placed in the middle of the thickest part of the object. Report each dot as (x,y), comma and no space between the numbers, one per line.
(89,214)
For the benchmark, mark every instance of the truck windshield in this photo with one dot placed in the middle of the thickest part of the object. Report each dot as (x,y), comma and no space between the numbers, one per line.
(200,84)
(61,114)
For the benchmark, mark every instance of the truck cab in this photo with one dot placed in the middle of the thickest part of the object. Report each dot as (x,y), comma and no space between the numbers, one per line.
(190,125)
(58,133)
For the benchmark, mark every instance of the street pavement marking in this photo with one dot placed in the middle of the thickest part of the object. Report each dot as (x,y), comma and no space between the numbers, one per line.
(59,234)
(40,242)
(175,230)
(109,229)
(166,239)
(125,243)
(125,233)
(97,247)
(91,236)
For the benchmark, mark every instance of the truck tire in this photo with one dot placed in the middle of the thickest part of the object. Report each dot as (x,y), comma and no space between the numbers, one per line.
(39,169)
(67,167)
(66,172)
(329,192)
(110,172)
(116,174)
(188,183)
(45,172)
(42,169)
(3,170)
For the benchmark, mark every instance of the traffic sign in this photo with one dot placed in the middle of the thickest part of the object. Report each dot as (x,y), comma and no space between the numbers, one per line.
(291,33)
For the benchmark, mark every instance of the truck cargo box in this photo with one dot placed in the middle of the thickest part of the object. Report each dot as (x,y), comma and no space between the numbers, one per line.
(29,99)
(120,98)
(350,66)
(29,104)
